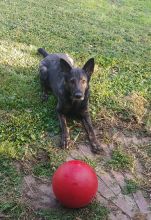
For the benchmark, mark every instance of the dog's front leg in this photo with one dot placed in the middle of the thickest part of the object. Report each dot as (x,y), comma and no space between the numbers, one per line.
(65,138)
(91,135)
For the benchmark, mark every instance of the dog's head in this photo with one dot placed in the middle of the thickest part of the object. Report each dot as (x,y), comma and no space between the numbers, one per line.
(77,79)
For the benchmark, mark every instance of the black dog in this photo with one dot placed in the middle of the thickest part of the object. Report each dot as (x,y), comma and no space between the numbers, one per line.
(71,87)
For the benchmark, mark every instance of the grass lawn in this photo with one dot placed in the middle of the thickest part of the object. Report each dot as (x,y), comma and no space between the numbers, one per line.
(117,33)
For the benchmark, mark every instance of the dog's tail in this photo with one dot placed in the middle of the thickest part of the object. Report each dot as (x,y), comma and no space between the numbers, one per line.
(43,52)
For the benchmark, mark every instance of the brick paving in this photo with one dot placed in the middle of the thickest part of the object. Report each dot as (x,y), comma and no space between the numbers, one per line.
(122,207)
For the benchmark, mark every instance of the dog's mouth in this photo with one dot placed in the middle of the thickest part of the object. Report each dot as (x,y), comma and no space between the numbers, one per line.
(78,99)
(74,98)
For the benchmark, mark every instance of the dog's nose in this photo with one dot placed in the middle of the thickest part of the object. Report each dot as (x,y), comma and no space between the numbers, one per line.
(78,95)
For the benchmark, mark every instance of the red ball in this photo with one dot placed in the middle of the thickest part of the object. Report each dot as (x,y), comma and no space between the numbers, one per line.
(75,184)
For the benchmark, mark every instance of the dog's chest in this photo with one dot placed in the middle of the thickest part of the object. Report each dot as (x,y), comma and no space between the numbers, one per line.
(76,106)
(74,109)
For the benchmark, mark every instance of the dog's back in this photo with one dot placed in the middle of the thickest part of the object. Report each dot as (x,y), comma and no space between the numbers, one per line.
(50,69)
(56,56)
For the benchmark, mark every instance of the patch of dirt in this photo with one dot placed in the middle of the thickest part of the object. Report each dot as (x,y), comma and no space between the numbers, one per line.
(26,166)
(37,193)
(139,216)
(111,183)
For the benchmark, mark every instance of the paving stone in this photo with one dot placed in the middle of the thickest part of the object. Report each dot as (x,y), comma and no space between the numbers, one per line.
(102,200)
(110,182)
(86,151)
(139,169)
(118,216)
(122,216)
(120,137)
(104,190)
(122,207)
(119,178)
(76,154)
(111,217)
(38,194)
(107,203)
(149,216)
(126,204)
(141,202)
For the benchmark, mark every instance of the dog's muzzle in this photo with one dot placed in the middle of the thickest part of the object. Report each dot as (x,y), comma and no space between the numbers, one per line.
(78,96)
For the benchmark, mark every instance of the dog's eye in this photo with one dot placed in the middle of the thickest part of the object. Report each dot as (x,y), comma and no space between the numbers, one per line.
(83,81)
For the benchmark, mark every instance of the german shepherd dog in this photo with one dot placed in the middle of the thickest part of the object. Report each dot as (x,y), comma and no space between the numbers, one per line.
(70,85)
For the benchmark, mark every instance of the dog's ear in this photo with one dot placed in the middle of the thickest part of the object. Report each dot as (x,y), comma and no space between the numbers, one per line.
(65,66)
(89,67)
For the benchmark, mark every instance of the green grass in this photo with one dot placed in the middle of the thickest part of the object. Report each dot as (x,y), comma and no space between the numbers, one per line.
(131,186)
(121,160)
(93,211)
(10,184)
(116,33)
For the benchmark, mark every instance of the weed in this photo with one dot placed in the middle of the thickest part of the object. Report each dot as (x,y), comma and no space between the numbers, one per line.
(121,160)
(93,211)
(9,188)
(130,187)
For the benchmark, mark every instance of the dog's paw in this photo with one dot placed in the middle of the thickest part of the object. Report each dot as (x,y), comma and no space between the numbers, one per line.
(95,148)
(65,143)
